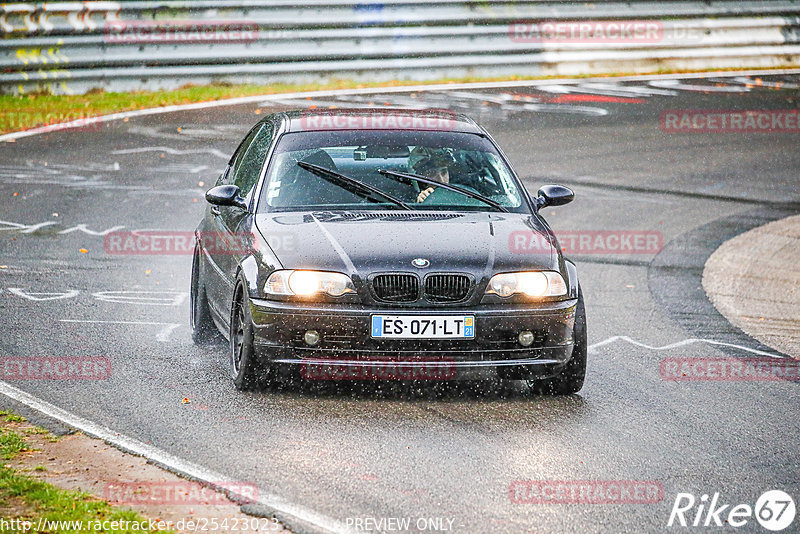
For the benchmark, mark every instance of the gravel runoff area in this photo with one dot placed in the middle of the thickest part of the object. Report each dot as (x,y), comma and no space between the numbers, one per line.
(754,281)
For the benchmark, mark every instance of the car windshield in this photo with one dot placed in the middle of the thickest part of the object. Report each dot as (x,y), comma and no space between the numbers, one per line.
(477,176)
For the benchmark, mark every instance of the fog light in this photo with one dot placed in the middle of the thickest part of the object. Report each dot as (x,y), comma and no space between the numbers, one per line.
(526,338)
(311,337)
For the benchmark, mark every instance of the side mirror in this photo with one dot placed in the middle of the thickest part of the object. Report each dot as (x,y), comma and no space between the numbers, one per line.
(554,195)
(226,195)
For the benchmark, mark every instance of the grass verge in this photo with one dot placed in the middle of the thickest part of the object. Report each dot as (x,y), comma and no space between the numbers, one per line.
(26,504)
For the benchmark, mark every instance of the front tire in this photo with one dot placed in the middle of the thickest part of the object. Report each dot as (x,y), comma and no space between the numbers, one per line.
(245,369)
(570,379)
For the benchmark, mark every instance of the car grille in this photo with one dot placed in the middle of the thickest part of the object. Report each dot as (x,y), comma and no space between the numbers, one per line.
(405,287)
(396,287)
(447,287)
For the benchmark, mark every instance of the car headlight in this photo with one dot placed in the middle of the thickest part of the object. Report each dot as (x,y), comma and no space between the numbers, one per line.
(308,283)
(532,284)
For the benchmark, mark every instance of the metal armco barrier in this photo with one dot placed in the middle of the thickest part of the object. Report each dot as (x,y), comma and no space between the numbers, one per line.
(73,47)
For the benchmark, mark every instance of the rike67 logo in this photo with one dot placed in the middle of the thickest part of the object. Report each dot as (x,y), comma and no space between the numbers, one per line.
(774,510)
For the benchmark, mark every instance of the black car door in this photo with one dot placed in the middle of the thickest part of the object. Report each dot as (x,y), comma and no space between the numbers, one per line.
(231,224)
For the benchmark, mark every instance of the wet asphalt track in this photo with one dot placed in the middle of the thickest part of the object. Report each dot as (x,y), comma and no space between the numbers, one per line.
(447,451)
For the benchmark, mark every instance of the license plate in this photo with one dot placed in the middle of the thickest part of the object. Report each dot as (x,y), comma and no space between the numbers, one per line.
(423,326)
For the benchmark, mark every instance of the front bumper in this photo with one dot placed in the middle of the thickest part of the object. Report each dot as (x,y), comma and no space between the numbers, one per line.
(347,350)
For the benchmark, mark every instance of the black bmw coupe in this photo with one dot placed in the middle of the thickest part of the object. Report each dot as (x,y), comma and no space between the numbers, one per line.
(386,244)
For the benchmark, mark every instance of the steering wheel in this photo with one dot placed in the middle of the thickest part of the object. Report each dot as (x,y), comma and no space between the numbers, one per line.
(445,197)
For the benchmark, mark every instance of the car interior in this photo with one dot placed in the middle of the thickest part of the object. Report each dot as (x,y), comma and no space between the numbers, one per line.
(295,186)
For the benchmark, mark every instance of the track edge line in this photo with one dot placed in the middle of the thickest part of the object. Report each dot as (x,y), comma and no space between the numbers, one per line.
(294,514)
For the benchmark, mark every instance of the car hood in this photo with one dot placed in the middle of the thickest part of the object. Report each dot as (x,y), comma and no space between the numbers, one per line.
(362,243)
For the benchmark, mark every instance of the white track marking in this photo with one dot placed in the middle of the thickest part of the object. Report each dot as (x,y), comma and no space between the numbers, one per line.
(631,90)
(181,168)
(744,80)
(82,228)
(565,108)
(603,90)
(677,84)
(151,298)
(164,459)
(85,166)
(40,297)
(163,334)
(88,184)
(174,151)
(269,99)
(25,228)
(30,228)
(689,341)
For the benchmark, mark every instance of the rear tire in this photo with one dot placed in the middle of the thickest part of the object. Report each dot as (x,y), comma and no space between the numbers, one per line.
(204,331)
(247,373)
(570,379)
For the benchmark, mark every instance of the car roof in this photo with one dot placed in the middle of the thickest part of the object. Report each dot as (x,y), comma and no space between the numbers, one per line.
(343,119)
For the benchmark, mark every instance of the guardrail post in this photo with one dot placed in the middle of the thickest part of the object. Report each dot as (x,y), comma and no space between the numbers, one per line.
(70,11)
(100,14)
(25,14)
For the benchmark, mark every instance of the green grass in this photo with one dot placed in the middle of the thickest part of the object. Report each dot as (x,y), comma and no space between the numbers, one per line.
(37,109)
(28,111)
(24,497)
(11,444)
(36,430)
(53,504)
(12,417)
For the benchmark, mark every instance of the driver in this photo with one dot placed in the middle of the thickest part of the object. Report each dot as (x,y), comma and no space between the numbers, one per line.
(436,167)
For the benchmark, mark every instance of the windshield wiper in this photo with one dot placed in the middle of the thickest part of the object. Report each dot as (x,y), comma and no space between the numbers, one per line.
(429,181)
(357,187)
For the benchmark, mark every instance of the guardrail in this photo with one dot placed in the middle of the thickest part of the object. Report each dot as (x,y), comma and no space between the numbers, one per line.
(72,47)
